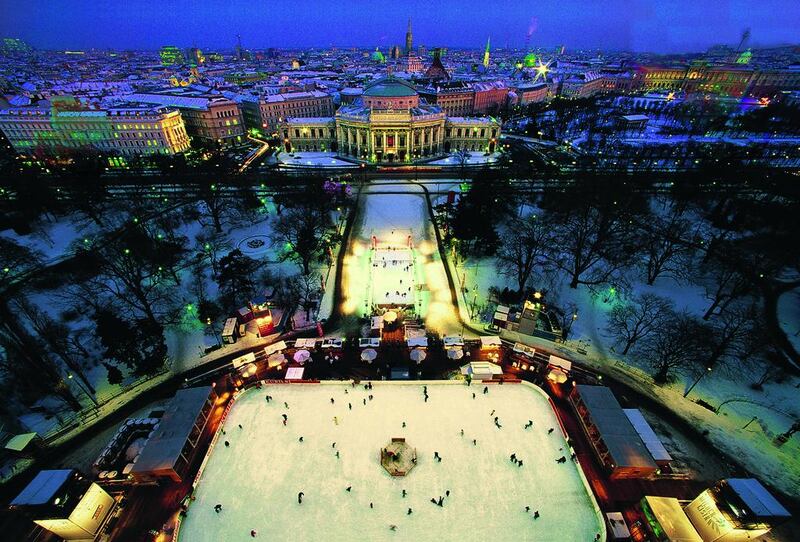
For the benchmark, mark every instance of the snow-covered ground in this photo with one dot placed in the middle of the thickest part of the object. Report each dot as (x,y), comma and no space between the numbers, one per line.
(258,477)
(789,316)
(54,239)
(313,159)
(475,157)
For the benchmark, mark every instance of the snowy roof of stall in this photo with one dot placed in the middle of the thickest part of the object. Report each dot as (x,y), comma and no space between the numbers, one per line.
(164,447)
(673,520)
(42,488)
(757,498)
(619,435)
(648,436)
(18,443)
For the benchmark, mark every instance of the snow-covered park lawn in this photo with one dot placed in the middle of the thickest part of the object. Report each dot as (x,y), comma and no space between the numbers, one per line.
(258,477)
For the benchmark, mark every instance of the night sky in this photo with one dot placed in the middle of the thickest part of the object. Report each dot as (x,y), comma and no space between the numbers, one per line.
(638,25)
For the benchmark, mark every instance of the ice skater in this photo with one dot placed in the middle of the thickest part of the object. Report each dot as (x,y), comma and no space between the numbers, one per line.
(447,493)
(440,502)
(217,508)
(350,406)
(529,424)
(462,432)
(348,488)
(300,439)
(336,420)
(550,430)
(300,497)
(536,515)
(527,509)
(437,457)
(370,505)
(404,424)
(404,493)
(253,533)
(337,454)
(514,458)
(519,463)
(410,511)
(474,442)
(240,426)
(332,401)
(492,414)
(392,527)
(286,405)
(227,444)
(333,445)
(561,459)
(485,390)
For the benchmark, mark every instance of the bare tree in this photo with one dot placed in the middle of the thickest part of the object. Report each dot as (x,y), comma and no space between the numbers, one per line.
(633,321)
(523,246)
(668,241)
(669,347)
(304,234)
(591,244)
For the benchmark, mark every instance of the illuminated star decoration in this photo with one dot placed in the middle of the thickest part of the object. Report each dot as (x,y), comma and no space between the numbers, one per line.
(541,69)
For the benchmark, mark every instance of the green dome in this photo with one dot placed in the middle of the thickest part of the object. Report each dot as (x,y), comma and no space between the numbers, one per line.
(377,56)
(390,87)
(529,61)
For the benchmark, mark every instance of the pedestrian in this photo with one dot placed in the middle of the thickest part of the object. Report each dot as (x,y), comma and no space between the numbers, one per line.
(227,444)
(300,498)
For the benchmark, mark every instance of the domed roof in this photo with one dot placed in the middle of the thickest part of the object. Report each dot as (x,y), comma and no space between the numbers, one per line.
(530,60)
(377,56)
(390,87)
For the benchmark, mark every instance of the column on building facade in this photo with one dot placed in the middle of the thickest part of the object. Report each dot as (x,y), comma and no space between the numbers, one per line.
(409,133)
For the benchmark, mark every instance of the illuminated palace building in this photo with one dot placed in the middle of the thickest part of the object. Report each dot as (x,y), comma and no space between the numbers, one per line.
(391,123)
(126,129)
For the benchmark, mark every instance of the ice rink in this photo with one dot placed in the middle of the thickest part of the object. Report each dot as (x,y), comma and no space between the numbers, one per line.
(392,279)
(258,477)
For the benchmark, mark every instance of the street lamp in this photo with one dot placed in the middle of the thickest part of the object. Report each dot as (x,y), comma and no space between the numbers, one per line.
(699,378)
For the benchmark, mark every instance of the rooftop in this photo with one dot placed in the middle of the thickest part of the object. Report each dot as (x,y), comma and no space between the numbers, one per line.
(42,487)
(390,87)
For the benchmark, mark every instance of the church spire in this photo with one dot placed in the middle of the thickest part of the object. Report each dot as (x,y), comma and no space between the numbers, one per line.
(409,38)
(486,54)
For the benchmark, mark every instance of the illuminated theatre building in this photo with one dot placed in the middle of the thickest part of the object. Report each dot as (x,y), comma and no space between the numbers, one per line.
(391,123)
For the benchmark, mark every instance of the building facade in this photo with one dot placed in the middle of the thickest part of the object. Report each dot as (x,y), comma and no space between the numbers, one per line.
(270,111)
(126,129)
(210,118)
(390,123)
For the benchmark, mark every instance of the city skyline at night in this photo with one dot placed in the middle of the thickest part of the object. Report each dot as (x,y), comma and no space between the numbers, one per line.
(643,26)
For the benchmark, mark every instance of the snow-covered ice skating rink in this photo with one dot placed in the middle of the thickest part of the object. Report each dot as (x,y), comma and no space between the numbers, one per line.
(258,477)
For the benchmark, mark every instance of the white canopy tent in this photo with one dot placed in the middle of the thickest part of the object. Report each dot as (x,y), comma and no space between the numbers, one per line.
(481,370)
